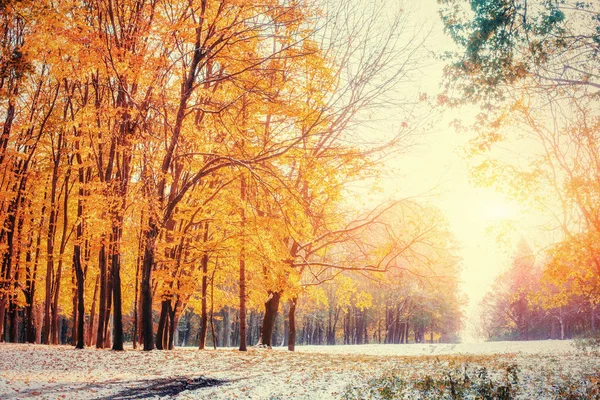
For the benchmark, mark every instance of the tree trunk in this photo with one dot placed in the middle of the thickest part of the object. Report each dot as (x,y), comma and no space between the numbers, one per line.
(212,307)
(136,319)
(7,260)
(122,180)
(31,284)
(204,314)
(109,296)
(116,278)
(80,296)
(242,317)
(93,313)
(102,300)
(174,321)
(162,322)
(271,308)
(227,327)
(149,248)
(292,324)
(50,239)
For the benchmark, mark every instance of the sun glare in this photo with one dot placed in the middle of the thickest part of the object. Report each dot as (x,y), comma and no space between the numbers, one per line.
(499,210)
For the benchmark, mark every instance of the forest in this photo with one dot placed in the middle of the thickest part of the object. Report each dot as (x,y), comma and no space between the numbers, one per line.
(533,69)
(176,173)
(200,173)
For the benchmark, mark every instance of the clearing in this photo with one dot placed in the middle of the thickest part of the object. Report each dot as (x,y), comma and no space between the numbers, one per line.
(540,369)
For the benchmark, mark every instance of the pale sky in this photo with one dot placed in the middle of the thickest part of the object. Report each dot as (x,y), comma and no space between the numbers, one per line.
(435,168)
(433,171)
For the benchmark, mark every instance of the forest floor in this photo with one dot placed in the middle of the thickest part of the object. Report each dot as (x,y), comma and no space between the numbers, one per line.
(528,370)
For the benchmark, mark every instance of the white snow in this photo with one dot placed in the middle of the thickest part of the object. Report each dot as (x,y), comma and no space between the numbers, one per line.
(531,347)
(312,372)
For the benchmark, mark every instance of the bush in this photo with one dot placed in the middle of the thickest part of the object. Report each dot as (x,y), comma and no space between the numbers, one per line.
(586,388)
(455,383)
(589,344)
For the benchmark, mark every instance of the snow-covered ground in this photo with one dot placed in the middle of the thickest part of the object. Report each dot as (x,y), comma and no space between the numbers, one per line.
(312,372)
(532,347)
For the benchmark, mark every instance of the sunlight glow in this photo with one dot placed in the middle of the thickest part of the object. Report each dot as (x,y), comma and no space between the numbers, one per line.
(499,210)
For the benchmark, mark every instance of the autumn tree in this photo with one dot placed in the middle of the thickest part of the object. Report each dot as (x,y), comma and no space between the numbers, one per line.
(533,67)
(549,44)
(151,151)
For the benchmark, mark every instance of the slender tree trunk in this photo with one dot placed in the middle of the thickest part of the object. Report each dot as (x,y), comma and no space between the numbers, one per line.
(74,303)
(136,319)
(102,300)
(108,322)
(16,253)
(31,283)
(93,312)
(292,324)
(29,298)
(212,307)
(227,326)
(51,237)
(117,314)
(79,321)
(149,248)
(204,315)
(56,292)
(62,247)
(80,297)
(7,261)
(122,182)
(242,317)
(174,318)
(13,317)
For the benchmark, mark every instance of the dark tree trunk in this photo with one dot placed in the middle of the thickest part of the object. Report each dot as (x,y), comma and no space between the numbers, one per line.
(62,247)
(212,307)
(102,300)
(242,317)
(109,298)
(204,314)
(13,306)
(80,296)
(292,324)
(74,304)
(147,265)
(136,309)
(50,239)
(122,178)
(31,278)
(14,321)
(93,313)
(117,313)
(7,260)
(162,322)
(271,308)
(174,321)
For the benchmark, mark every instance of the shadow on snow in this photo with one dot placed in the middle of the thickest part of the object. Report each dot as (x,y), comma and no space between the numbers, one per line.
(164,387)
(142,389)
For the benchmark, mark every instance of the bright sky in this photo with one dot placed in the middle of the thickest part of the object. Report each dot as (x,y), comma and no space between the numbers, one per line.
(433,170)
(435,167)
